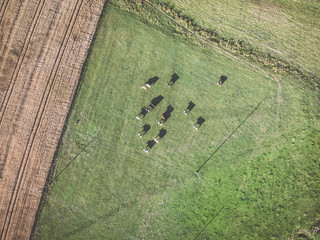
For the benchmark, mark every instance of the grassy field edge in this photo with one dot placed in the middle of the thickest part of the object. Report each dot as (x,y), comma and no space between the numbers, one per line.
(240,47)
(52,170)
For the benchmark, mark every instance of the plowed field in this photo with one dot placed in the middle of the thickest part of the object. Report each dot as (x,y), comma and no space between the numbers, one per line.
(43,46)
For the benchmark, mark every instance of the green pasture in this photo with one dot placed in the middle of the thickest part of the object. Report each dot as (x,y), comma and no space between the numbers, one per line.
(262,183)
(287,30)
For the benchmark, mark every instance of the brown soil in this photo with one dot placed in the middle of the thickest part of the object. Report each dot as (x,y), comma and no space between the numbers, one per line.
(43,46)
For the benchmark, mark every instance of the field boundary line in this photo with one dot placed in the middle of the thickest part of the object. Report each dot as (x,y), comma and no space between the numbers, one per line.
(20,61)
(221,49)
(52,166)
(38,120)
(190,31)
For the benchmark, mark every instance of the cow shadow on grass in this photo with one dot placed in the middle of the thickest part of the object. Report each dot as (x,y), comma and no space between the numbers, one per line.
(154,102)
(222,80)
(145,129)
(160,135)
(166,115)
(189,108)
(173,80)
(150,145)
(199,123)
(143,113)
(152,81)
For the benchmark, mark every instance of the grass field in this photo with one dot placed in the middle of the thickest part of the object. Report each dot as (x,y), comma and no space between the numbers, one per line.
(262,181)
(287,30)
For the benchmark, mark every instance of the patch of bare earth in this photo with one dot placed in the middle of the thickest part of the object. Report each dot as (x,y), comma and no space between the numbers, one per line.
(43,46)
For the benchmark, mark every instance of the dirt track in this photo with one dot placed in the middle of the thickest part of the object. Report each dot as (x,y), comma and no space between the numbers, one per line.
(43,45)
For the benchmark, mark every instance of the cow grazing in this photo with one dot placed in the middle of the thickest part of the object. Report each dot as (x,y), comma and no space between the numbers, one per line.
(161,134)
(154,102)
(189,108)
(149,145)
(173,80)
(150,82)
(143,113)
(222,80)
(199,122)
(166,115)
(144,130)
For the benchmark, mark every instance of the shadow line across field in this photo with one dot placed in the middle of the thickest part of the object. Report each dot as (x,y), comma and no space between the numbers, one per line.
(255,109)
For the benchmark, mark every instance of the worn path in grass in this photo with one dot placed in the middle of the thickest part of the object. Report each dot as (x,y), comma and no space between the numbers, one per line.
(264,174)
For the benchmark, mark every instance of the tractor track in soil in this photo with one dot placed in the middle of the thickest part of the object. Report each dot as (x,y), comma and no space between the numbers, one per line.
(39,113)
(4,7)
(36,100)
(22,55)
